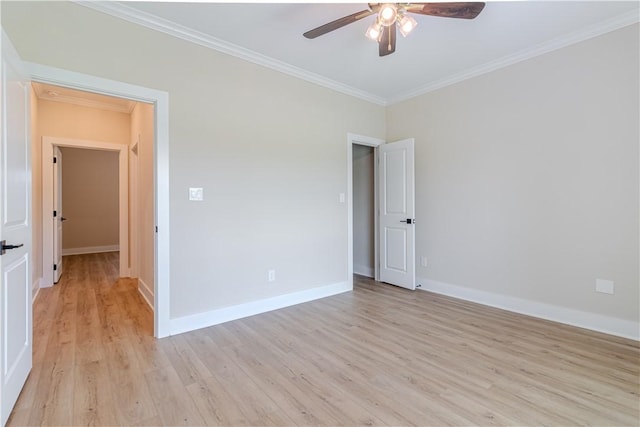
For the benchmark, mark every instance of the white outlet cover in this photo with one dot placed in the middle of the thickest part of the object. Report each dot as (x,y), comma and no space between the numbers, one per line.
(341,197)
(604,286)
(423,261)
(196,194)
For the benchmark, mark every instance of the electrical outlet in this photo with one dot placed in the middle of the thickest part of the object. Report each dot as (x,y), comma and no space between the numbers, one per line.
(272,276)
(423,261)
(604,286)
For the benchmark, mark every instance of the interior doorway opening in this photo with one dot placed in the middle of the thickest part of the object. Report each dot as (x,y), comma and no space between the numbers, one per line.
(354,140)
(158,102)
(50,241)
(73,116)
(364,230)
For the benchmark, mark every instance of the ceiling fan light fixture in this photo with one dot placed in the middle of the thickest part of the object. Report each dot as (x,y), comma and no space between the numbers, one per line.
(388,14)
(374,31)
(406,25)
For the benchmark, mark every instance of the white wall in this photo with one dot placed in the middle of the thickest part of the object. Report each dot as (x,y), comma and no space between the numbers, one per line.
(90,199)
(363,211)
(271,163)
(527,178)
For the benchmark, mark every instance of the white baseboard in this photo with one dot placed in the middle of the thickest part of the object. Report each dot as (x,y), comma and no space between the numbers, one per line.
(146,292)
(35,289)
(90,250)
(363,270)
(596,322)
(222,315)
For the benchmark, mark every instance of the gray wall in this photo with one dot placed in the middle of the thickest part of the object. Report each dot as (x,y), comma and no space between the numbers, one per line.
(527,177)
(90,199)
(272,164)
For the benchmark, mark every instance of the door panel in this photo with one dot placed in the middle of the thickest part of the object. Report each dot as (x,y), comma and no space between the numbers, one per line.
(15,230)
(396,244)
(397,213)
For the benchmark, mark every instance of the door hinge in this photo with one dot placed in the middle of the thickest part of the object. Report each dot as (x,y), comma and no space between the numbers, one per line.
(55,160)
(55,267)
(156,228)
(55,214)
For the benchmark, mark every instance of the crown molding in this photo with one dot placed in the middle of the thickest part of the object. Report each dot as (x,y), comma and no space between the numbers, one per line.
(136,16)
(595,30)
(153,22)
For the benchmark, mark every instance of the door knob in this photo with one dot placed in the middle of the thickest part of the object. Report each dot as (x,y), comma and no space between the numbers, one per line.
(63,219)
(5,247)
(408,221)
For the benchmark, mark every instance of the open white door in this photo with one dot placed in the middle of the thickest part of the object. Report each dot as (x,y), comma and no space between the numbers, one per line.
(15,231)
(57,214)
(397,213)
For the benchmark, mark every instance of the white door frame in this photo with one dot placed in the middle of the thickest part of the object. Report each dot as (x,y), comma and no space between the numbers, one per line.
(160,100)
(48,143)
(370,142)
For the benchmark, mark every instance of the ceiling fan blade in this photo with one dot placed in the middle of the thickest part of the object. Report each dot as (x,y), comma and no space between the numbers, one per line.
(463,10)
(338,23)
(387,44)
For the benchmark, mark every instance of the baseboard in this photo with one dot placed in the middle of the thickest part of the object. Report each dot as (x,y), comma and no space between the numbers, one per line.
(582,319)
(146,292)
(35,289)
(90,250)
(227,314)
(363,270)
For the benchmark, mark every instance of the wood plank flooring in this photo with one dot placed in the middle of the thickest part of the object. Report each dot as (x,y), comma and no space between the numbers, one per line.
(380,355)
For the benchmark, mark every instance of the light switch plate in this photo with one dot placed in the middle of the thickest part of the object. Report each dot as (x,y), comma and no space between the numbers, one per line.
(196,194)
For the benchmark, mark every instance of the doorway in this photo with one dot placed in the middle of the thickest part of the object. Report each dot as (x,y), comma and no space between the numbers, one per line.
(354,140)
(394,210)
(160,227)
(364,230)
(52,219)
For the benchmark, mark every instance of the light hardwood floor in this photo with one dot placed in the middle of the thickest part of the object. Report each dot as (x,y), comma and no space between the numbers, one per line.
(377,356)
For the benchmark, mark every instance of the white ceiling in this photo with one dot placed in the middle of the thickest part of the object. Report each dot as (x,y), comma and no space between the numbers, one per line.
(438,52)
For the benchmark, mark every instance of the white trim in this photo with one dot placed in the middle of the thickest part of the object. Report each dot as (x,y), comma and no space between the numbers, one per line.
(148,20)
(369,141)
(226,314)
(47,199)
(35,289)
(146,292)
(364,270)
(133,206)
(160,99)
(582,319)
(90,250)
(595,30)
(153,22)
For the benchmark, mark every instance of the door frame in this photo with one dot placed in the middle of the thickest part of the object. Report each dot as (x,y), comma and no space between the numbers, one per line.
(48,192)
(355,139)
(160,100)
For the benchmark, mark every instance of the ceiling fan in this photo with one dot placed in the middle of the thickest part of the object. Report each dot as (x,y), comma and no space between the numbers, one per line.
(395,15)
